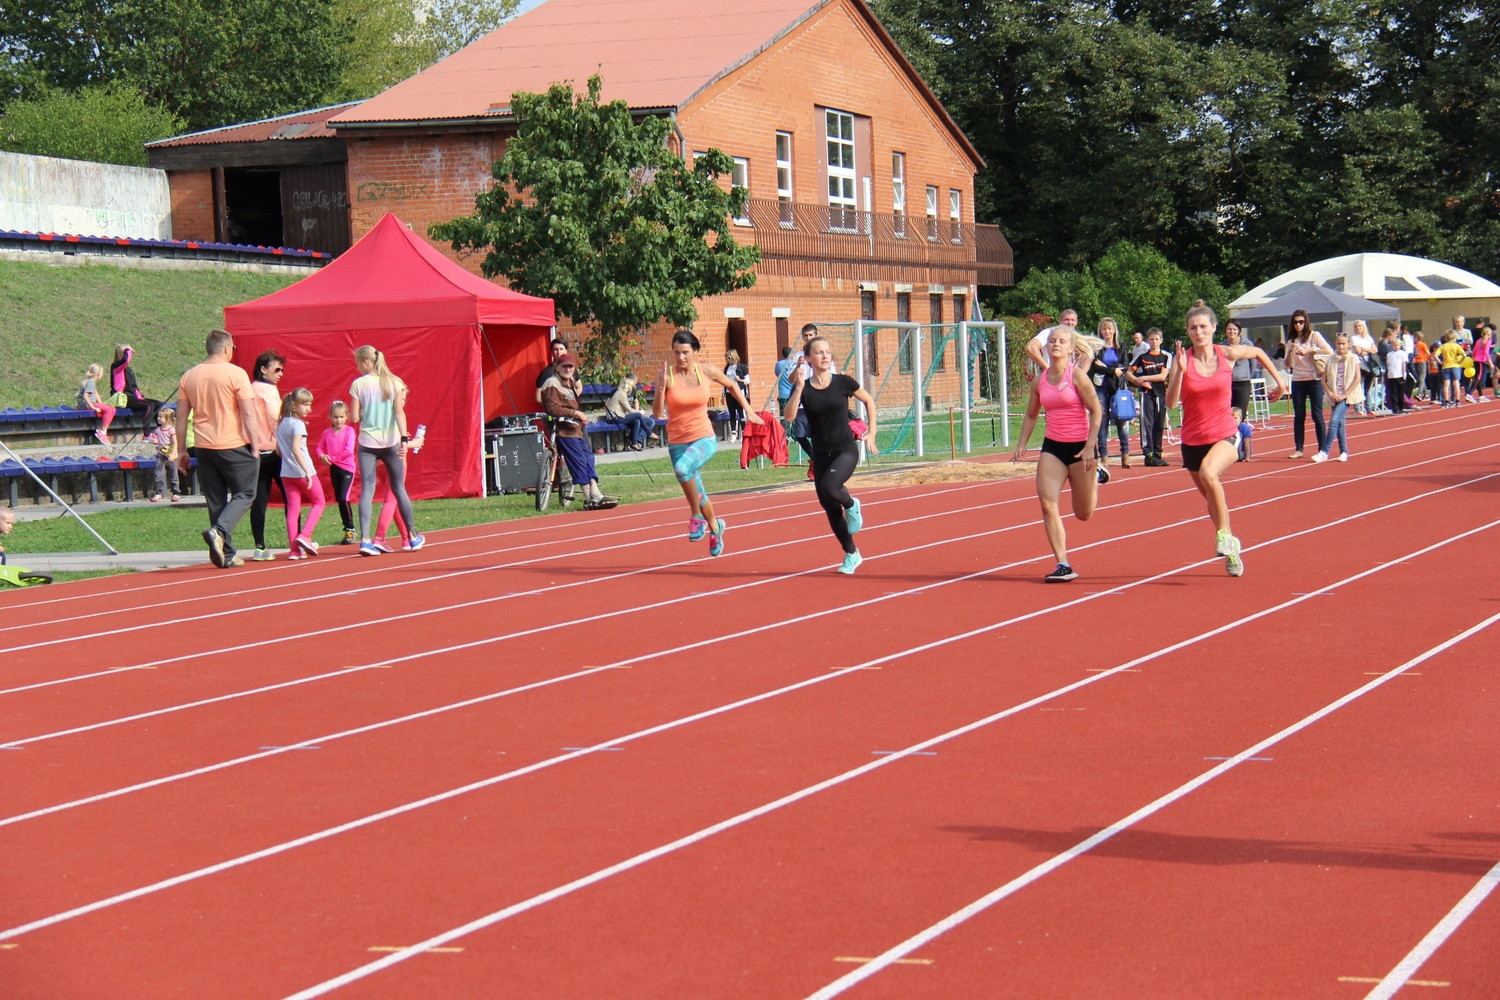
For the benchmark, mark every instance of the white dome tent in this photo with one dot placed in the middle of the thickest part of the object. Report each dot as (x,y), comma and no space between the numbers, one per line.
(1429,293)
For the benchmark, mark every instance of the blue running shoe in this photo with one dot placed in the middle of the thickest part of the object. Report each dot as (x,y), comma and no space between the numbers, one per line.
(851,562)
(854,520)
(416,542)
(716,538)
(368,549)
(696,527)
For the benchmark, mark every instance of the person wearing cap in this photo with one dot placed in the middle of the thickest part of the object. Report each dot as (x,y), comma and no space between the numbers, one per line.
(560,401)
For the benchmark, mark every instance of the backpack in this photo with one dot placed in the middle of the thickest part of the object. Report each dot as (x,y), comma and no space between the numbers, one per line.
(1122,406)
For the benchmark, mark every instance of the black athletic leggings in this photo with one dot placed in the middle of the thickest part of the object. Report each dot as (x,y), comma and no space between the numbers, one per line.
(830,473)
(270,472)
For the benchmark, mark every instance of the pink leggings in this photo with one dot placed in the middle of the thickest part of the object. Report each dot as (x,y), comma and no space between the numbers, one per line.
(388,512)
(297,491)
(106,416)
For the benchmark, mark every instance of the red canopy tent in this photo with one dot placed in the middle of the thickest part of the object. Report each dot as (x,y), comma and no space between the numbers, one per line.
(468,350)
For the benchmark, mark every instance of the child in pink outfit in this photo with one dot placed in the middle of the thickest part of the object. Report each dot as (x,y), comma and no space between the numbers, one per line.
(336,450)
(299,476)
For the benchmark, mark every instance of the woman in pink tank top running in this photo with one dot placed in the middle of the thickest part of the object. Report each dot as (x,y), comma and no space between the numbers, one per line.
(1201,378)
(1069,448)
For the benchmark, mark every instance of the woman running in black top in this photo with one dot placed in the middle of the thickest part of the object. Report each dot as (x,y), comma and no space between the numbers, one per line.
(835,452)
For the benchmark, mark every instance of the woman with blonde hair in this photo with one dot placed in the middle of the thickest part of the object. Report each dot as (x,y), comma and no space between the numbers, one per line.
(1069,450)
(377,403)
(1107,372)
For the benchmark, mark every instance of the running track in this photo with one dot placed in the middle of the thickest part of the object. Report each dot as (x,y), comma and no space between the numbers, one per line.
(574,757)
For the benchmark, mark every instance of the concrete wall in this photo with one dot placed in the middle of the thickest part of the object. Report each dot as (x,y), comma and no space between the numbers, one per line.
(43,194)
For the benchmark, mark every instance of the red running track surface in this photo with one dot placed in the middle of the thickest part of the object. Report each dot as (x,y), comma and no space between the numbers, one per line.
(576,757)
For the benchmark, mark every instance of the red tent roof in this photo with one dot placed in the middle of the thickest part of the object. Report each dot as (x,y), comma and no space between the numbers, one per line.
(391,278)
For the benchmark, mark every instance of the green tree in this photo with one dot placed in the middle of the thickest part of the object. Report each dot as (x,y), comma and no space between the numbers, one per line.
(1135,284)
(595,211)
(385,45)
(104,124)
(449,25)
(212,62)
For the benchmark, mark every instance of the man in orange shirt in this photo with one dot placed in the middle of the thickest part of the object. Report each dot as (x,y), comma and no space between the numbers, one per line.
(230,432)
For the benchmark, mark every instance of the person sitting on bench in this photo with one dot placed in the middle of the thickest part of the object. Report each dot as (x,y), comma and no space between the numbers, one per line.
(624,408)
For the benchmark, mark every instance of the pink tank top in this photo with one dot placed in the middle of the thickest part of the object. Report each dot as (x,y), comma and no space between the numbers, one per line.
(1205,401)
(1067,420)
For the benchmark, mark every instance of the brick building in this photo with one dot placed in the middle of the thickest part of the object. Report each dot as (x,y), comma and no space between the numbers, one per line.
(861,185)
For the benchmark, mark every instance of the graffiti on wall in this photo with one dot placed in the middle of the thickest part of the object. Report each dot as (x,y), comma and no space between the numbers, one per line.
(391,190)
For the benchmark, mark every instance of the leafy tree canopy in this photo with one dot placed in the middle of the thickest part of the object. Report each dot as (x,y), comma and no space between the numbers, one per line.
(103,124)
(1135,284)
(1238,139)
(212,62)
(595,211)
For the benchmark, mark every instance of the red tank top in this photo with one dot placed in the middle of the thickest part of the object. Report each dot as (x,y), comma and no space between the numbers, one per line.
(1205,401)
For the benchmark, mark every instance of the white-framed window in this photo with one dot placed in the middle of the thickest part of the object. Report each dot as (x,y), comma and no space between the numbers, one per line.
(898,193)
(739,176)
(932,206)
(842,204)
(784,188)
(955,215)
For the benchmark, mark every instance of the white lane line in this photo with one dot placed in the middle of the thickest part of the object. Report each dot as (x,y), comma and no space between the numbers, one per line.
(513,595)
(566,558)
(511,529)
(1436,937)
(301,580)
(978,906)
(714,640)
(900,951)
(673,724)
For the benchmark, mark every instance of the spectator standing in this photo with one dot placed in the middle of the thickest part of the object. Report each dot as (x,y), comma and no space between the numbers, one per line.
(1396,362)
(1149,373)
(269,367)
(377,403)
(1364,348)
(1483,344)
(740,373)
(336,449)
(1451,358)
(1305,348)
(558,348)
(164,438)
(1343,385)
(299,476)
(1245,369)
(1107,373)
(229,431)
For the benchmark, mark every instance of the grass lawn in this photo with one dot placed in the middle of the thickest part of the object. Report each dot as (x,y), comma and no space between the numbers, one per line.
(165,528)
(59,320)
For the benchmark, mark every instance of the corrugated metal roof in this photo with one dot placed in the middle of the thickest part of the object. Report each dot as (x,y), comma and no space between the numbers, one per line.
(650,53)
(299,125)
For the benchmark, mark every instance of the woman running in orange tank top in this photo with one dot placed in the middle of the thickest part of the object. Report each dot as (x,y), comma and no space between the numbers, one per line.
(682,392)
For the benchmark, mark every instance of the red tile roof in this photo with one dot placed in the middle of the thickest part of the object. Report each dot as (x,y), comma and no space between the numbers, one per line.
(300,125)
(651,53)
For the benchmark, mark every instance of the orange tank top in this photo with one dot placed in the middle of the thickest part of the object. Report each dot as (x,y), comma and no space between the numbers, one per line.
(687,409)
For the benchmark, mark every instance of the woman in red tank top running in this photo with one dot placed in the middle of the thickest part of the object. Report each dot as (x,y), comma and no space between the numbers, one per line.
(1201,378)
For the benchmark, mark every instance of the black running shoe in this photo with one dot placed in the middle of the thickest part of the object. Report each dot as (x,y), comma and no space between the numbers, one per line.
(1062,574)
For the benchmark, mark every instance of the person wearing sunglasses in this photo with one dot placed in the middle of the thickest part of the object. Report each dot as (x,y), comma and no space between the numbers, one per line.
(1306,350)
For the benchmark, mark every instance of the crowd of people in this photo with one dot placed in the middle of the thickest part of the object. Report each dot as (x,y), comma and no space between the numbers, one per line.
(249,440)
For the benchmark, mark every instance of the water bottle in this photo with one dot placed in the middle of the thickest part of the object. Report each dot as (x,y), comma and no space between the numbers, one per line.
(418,438)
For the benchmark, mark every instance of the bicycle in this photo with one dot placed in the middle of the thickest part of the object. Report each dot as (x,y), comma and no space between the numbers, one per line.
(553,476)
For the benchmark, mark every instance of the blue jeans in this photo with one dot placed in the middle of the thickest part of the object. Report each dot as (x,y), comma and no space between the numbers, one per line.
(1336,427)
(638,426)
(1308,391)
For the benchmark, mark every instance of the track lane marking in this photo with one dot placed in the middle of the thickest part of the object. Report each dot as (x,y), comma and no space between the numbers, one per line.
(734,821)
(1010,888)
(1435,938)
